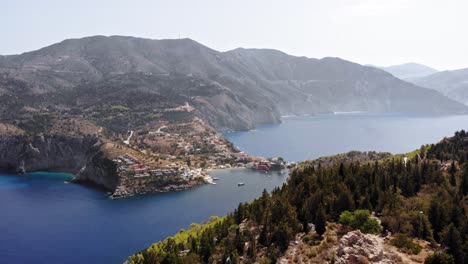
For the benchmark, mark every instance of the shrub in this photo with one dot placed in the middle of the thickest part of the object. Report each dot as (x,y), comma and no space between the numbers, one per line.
(119,107)
(405,244)
(360,220)
(306,238)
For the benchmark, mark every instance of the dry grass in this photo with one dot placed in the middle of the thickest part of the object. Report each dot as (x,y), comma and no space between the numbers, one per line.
(313,249)
(10,130)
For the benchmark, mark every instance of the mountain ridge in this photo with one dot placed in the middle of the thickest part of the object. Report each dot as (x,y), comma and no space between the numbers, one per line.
(255,86)
(409,71)
(453,84)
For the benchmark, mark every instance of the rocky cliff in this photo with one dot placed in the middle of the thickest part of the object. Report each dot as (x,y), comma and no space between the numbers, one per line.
(81,156)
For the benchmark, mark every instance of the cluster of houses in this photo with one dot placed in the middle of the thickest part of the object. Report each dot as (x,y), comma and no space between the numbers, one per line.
(137,169)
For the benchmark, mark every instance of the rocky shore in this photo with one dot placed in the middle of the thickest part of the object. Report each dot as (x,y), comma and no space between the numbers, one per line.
(92,160)
(81,156)
(128,191)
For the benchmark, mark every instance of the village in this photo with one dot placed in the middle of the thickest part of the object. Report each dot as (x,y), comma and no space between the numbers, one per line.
(179,156)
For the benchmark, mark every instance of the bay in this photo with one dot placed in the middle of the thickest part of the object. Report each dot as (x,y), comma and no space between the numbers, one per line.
(46,220)
(310,137)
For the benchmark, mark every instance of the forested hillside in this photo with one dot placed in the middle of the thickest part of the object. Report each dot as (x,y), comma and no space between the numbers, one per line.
(422,196)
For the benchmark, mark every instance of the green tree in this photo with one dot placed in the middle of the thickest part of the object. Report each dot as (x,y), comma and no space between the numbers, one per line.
(453,171)
(320,221)
(360,220)
(451,238)
(464,182)
(421,226)
(439,258)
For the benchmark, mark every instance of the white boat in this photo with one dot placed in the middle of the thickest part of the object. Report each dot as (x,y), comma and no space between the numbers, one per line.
(240,184)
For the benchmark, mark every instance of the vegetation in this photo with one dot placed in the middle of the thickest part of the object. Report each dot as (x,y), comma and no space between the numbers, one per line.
(120,107)
(406,244)
(415,197)
(440,258)
(360,220)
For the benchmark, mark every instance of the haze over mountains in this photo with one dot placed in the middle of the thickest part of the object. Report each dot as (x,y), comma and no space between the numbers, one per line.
(409,71)
(453,84)
(232,90)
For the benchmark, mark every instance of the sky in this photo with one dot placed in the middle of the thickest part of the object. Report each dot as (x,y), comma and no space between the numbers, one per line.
(377,32)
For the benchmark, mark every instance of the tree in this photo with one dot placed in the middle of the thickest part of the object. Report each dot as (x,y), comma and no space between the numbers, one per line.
(451,238)
(421,226)
(453,171)
(439,258)
(345,201)
(464,182)
(360,220)
(320,221)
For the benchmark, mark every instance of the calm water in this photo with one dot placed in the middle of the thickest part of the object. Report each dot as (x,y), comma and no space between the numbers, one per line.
(44,220)
(300,138)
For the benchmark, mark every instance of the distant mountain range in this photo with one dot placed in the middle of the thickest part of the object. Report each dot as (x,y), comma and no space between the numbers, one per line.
(237,89)
(454,84)
(409,71)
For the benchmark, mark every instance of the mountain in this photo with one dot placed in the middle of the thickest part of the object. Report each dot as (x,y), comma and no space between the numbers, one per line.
(418,203)
(454,84)
(409,71)
(237,89)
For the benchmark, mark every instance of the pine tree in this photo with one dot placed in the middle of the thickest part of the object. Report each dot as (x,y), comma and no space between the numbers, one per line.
(451,238)
(320,221)
(452,171)
(439,258)
(464,182)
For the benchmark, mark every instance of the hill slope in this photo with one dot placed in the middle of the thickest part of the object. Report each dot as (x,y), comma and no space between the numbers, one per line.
(423,200)
(232,90)
(454,84)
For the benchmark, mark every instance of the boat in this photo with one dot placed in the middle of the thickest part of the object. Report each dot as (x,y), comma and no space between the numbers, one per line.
(240,184)
(214,178)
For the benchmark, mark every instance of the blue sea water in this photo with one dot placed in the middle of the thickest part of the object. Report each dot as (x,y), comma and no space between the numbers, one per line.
(308,137)
(43,219)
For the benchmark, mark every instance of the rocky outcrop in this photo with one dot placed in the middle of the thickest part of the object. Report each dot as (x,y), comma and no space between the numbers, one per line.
(81,156)
(356,247)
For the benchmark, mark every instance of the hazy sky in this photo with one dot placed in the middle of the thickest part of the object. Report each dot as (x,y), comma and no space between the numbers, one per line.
(380,32)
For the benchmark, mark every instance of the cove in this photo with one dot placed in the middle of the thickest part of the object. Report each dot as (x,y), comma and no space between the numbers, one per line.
(46,220)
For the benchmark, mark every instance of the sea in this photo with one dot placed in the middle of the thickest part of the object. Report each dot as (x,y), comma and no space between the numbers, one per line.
(45,219)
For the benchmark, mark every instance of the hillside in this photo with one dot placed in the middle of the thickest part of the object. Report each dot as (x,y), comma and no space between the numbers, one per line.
(409,71)
(420,206)
(454,84)
(231,90)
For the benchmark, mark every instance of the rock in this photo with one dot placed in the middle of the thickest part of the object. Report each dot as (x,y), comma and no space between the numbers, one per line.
(356,247)
(81,156)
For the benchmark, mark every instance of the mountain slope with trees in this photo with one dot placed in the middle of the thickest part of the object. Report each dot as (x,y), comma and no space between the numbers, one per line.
(424,198)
